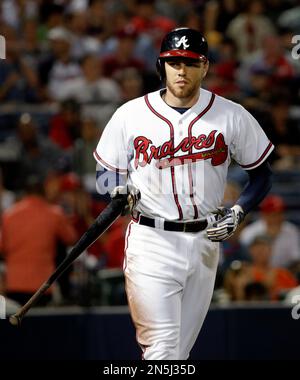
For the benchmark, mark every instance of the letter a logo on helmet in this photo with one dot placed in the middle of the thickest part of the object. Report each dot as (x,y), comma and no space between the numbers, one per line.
(183,41)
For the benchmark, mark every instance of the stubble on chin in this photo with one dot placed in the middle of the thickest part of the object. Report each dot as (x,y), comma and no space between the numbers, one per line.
(183,93)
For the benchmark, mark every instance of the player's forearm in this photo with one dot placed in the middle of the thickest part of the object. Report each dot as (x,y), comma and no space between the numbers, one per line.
(260,183)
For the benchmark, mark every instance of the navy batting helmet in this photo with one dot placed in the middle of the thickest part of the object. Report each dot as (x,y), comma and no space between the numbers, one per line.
(184,43)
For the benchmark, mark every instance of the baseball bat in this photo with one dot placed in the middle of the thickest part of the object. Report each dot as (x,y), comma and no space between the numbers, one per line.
(104,220)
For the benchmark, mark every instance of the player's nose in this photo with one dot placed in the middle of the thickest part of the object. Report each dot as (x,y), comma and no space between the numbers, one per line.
(182,69)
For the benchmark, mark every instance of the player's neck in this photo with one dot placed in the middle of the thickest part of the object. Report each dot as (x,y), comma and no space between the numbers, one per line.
(174,101)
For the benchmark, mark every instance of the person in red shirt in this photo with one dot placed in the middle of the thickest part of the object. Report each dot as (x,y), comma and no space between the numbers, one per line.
(65,126)
(30,232)
(123,58)
(115,243)
(272,283)
(148,21)
(277,280)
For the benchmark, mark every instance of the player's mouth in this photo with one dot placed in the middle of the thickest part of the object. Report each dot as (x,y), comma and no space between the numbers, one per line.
(181,82)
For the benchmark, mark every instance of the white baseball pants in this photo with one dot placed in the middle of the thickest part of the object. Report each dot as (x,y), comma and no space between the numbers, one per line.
(169,283)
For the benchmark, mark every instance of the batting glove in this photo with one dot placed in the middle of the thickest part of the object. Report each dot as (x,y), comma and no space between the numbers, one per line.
(227,221)
(133,196)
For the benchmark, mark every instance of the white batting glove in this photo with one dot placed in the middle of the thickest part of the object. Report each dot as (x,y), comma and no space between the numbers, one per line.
(133,196)
(227,221)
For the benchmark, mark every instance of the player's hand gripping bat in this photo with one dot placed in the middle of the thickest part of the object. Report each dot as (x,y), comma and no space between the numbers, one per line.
(107,217)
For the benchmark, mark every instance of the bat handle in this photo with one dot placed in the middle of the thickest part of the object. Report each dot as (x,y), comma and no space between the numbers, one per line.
(16,319)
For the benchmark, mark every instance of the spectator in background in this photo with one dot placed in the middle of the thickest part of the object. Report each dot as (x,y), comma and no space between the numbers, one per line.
(294,268)
(256,84)
(194,20)
(7,198)
(9,10)
(82,43)
(35,154)
(11,306)
(272,59)
(18,80)
(283,234)
(81,211)
(98,20)
(52,187)
(65,126)
(237,278)
(30,232)
(218,14)
(276,280)
(147,20)
(59,66)
(82,154)
(144,49)
(65,190)
(51,15)
(114,244)
(290,18)
(131,84)
(249,29)
(258,280)
(284,133)
(13,12)
(80,208)
(222,79)
(271,62)
(128,49)
(91,87)
(176,10)
(256,291)
(123,57)
(30,46)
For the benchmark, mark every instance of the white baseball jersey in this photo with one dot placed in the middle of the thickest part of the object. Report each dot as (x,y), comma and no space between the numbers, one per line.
(179,162)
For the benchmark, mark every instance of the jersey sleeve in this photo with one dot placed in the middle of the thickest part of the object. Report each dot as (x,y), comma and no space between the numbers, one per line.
(111,151)
(250,146)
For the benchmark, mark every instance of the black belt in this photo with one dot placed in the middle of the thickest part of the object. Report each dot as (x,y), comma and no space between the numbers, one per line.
(196,226)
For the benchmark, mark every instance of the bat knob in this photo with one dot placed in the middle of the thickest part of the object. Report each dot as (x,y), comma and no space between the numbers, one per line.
(15,320)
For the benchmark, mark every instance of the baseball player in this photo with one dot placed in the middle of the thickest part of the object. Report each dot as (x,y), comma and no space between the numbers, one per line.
(175,146)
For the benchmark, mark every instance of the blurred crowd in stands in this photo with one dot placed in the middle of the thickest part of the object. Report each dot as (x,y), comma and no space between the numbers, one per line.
(69,64)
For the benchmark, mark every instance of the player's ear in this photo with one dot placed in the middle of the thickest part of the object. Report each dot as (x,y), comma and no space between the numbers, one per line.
(206,67)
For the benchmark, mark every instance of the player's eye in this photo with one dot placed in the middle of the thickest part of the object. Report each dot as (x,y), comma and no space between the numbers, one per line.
(177,64)
(196,64)
(174,64)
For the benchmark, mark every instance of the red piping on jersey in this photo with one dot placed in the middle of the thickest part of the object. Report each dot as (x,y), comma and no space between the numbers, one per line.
(172,168)
(137,217)
(260,159)
(212,98)
(98,158)
(126,245)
